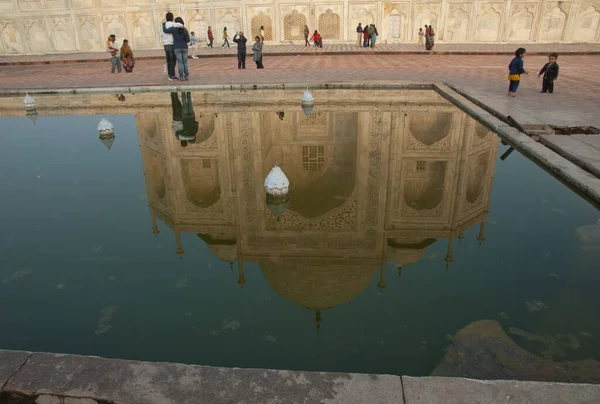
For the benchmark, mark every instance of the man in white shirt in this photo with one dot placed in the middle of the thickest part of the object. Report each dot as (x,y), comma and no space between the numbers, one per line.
(167,40)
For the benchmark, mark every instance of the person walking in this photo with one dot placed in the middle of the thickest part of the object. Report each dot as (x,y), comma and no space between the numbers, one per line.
(427,38)
(365,36)
(374,36)
(431,38)
(113,51)
(257,49)
(306,34)
(359,34)
(210,37)
(167,40)
(225,38)
(241,40)
(181,38)
(421,35)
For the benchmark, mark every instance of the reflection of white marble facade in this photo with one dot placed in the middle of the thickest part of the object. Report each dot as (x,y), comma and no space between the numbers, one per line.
(48,26)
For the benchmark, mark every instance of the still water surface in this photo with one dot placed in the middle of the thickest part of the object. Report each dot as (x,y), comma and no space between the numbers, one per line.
(403,227)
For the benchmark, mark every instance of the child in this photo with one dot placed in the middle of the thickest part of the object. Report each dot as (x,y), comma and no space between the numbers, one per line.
(421,35)
(112,50)
(126,56)
(515,69)
(193,45)
(550,72)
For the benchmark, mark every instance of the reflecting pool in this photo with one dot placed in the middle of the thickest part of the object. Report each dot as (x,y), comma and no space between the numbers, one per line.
(406,246)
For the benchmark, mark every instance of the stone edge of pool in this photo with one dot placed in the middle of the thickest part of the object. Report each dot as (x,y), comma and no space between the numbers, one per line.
(583,182)
(45,378)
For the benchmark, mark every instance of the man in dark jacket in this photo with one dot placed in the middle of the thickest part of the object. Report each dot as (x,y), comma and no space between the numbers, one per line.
(241,40)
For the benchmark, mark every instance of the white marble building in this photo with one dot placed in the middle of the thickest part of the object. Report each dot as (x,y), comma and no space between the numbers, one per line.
(52,26)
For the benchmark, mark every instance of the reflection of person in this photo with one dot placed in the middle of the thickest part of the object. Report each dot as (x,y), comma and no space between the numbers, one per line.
(126,57)
(185,126)
(257,49)
(550,72)
(241,40)
(515,69)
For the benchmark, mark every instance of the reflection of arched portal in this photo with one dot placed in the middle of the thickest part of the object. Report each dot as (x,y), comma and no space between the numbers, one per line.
(324,173)
(293,26)
(430,127)
(201,181)
(481,131)
(329,25)
(477,175)
(153,170)
(206,127)
(424,187)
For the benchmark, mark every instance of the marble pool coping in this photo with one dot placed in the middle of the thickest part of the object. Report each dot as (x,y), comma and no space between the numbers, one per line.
(46,378)
(586,184)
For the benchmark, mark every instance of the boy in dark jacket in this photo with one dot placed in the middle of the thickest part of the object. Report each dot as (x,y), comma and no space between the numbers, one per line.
(550,72)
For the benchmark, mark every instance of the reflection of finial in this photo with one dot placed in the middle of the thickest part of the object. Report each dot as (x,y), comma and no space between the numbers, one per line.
(241,278)
(461,236)
(400,271)
(481,236)
(231,266)
(318,320)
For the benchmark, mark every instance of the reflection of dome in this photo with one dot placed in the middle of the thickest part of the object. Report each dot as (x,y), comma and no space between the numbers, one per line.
(402,253)
(318,287)
(224,249)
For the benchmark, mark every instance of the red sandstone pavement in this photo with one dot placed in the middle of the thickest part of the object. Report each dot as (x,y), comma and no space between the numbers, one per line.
(333,49)
(575,102)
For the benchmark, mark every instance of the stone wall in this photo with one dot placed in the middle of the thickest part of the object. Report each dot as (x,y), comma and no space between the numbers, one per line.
(51,26)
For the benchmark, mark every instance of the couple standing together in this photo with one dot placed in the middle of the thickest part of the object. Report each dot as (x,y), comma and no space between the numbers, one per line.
(175,40)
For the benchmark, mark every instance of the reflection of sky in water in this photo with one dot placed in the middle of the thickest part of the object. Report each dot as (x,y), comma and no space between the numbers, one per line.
(81,271)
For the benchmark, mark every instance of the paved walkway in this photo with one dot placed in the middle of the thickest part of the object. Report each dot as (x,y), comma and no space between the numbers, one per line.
(335,49)
(575,102)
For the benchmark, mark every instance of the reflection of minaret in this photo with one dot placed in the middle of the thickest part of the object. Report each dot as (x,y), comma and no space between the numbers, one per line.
(448,258)
(241,278)
(481,236)
(155,230)
(179,247)
(381,285)
(318,319)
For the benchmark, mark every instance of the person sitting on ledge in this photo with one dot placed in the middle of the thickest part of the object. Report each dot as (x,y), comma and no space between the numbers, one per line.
(126,56)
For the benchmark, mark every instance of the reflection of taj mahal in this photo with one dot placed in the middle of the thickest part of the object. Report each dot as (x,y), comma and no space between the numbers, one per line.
(36,26)
(369,184)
